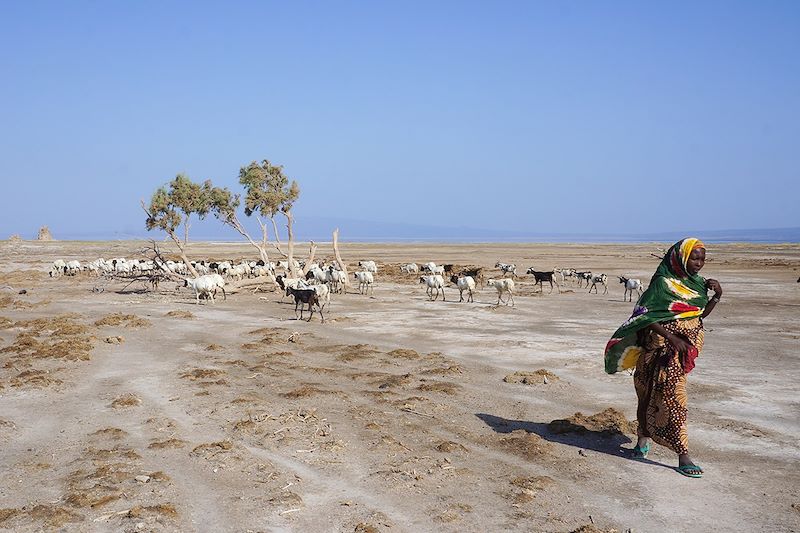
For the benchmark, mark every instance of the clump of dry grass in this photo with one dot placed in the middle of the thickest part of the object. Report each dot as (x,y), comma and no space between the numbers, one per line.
(6,301)
(34,378)
(439,386)
(530,486)
(531,378)
(179,314)
(112,433)
(54,516)
(57,337)
(524,444)
(606,423)
(5,322)
(169,443)
(95,496)
(303,392)
(203,373)
(403,353)
(162,509)
(120,319)
(355,352)
(449,446)
(126,400)
(116,453)
(212,447)
(214,347)
(8,513)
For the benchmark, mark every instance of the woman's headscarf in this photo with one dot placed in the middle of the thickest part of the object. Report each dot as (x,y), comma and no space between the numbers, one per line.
(673,294)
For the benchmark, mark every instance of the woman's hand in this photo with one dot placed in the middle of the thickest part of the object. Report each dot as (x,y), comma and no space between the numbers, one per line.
(713,285)
(680,344)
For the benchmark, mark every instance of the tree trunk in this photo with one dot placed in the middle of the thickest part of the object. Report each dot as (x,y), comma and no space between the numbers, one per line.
(342,264)
(290,245)
(311,253)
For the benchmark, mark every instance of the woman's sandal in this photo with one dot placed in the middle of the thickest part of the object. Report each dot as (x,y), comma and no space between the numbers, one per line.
(690,470)
(641,452)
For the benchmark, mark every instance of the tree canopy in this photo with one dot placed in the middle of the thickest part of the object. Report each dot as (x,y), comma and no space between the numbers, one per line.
(267,189)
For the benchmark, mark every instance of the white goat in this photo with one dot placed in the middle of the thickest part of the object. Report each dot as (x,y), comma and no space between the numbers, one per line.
(507,268)
(630,285)
(601,279)
(206,286)
(502,286)
(409,268)
(464,283)
(368,266)
(58,268)
(365,281)
(433,282)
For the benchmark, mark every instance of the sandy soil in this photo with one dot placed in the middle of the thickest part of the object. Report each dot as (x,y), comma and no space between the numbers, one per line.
(397,414)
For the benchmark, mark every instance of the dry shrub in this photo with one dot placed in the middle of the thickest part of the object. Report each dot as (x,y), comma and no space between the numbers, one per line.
(524,444)
(203,373)
(439,386)
(117,339)
(34,378)
(117,319)
(363,527)
(6,301)
(54,516)
(449,446)
(162,509)
(403,353)
(126,400)
(606,423)
(179,314)
(214,347)
(5,322)
(530,378)
(354,352)
(169,443)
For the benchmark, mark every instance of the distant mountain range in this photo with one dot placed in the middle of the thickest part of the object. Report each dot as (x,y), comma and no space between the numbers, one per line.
(320,228)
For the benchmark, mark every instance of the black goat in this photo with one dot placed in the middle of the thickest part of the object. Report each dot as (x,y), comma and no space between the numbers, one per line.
(303,297)
(544,276)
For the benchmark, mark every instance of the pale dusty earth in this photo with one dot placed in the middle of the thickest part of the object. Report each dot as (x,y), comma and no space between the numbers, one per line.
(393,415)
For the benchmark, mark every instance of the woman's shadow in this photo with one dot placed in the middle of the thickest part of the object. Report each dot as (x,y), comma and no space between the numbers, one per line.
(571,433)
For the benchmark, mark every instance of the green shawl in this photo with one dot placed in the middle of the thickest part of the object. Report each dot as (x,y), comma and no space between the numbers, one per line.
(673,294)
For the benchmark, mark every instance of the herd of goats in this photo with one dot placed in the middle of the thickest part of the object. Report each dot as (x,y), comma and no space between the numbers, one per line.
(314,289)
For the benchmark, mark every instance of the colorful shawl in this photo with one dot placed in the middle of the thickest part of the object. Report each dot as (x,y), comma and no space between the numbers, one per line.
(673,294)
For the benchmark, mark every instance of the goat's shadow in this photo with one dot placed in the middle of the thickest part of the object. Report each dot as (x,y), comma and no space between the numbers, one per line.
(571,434)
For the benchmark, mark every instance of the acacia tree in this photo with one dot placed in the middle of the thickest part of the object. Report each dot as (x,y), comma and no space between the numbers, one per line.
(190,198)
(267,193)
(162,214)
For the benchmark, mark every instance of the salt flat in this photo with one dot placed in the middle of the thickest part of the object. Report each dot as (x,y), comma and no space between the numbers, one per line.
(394,414)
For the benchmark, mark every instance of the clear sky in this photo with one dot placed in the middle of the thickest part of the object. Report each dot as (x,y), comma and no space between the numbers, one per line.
(603,117)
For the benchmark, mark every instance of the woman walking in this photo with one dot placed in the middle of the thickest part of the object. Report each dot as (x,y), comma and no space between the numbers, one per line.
(661,340)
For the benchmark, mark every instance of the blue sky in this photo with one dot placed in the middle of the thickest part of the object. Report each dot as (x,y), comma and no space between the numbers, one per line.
(558,117)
